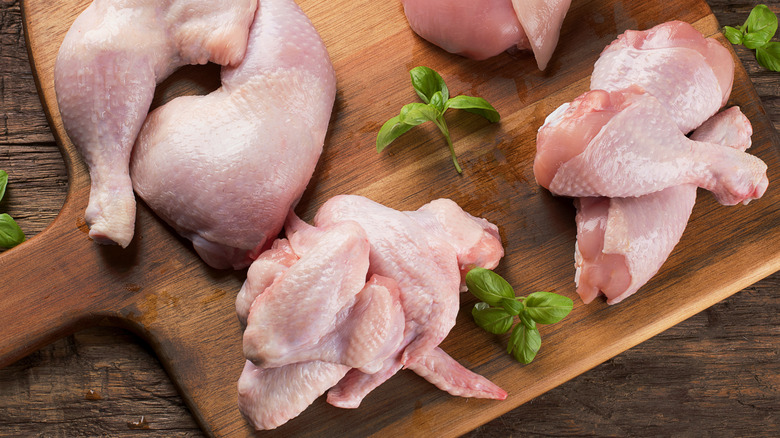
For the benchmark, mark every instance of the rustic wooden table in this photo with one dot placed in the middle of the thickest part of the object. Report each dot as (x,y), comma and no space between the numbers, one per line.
(716,373)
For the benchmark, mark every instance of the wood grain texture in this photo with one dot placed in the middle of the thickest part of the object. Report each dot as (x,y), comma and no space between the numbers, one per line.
(699,360)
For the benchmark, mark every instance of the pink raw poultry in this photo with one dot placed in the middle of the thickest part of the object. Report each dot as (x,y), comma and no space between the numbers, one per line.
(659,84)
(624,143)
(105,75)
(482,29)
(225,169)
(314,322)
(415,261)
(623,242)
(690,75)
(428,253)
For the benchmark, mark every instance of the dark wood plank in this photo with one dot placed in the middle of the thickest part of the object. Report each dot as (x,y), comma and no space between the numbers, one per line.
(689,388)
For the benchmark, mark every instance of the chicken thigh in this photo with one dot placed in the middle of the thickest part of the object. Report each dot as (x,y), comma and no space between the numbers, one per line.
(623,242)
(482,29)
(225,169)
(105,74)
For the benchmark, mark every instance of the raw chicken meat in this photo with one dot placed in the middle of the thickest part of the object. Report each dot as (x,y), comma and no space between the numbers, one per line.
(317,320)
(321,307)
(314,323)
(270,397)
(623,242)
(624,143)
(225,169)
(105,74)
(482,29)
(690,75)
(427,252)
(621,150)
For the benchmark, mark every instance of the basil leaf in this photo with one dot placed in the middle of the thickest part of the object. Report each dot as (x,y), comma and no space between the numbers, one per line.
(426,82)
(3,183)
(10,233)
(437,101)
(418,113)
(769,56)
(492,319)
(524,343)
(488,286)
(512,306)
(476,105)
(547,307)
(391,130)
(527,320)
(761,26)
(733,35)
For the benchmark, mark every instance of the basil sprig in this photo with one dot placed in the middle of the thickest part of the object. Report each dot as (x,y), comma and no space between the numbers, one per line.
(756,34)
(432,90)
(499,306)
(10,233)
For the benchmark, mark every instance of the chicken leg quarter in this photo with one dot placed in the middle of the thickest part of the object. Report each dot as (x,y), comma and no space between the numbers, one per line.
(105,74)
(225,169)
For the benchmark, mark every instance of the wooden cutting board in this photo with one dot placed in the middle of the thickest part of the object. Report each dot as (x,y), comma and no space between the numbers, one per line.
(160,289)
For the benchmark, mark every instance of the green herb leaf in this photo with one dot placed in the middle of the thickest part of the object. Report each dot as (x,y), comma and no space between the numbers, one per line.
(547,307)
(3,183)
(488,286)
(438,102)
(760,27)
(430,87)
(769,56)
(391,130)
(414,114)
(733,35)
(527,320)
(10,233)
(524,343)
(492,319)
(476,105)
(426,82)
(512,306)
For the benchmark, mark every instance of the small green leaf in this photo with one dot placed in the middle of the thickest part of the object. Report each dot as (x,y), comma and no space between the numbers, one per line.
(418,113)
(437,101)
(492,319)
(527,320)
(733,35)
(391,130)
(547,307)
(426,82)
(524,343)
(10,233)
(476,105)
(3,183)
(769,56)
(761,26)
(488,286)
(512,306)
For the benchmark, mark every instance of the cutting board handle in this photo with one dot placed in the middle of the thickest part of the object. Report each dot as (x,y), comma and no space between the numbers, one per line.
(42,295)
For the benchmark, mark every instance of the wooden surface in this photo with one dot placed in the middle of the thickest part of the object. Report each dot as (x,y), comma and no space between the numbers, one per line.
(718,369)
